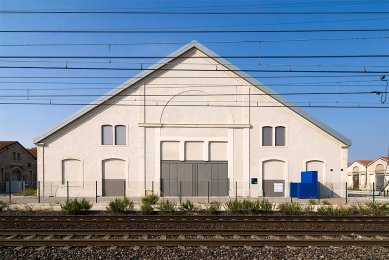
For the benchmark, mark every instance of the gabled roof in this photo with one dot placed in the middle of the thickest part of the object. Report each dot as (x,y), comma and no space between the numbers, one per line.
(384,158)
(4,144)
(179,52)
(33,152)
(363,162)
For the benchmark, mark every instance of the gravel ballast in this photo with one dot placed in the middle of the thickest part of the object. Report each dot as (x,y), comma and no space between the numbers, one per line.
(197,253)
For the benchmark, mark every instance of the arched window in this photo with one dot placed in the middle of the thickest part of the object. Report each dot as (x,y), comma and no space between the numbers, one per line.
(106,135)
(267,136)
(120,135)
(280,136)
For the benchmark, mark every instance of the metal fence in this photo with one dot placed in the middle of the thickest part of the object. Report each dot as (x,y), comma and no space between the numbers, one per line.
(207,190)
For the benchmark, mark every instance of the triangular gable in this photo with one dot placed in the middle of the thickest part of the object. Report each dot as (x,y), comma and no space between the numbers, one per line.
(194,44)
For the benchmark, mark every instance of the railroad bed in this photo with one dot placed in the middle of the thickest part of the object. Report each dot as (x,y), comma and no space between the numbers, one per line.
(90,232)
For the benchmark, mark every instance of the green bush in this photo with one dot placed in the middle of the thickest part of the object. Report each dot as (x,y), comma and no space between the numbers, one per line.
(265,205)
(151,199)
(26,192)
(377,209)
(290,208)
(309,209)
(339,211)
(214,207)
(3,205)
(120,205)
(146,209)
(234,206)
(76,207)
(167,207)
(249,206)
(312,202)
(326,202)
(188,206)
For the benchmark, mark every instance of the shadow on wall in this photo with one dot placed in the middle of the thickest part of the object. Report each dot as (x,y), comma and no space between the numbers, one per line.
(327,191)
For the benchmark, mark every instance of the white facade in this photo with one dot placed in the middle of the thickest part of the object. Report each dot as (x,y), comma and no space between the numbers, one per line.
(375,171)
(196,109)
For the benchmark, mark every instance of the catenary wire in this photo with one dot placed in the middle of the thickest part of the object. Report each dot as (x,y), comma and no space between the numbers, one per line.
(205,42)
(197,13)
(195,57)
(192,70)
(196,31)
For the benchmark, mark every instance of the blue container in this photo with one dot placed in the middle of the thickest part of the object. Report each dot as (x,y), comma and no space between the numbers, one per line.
(308,188)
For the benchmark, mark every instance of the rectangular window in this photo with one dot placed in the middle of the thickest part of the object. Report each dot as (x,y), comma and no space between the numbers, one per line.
(120,135)
(267,136)
(106,135)
(14,156)
(280,136)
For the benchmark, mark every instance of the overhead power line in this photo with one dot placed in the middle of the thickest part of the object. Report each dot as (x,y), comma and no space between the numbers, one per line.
(182,43)
(376,92)
(149,77)
(194,70)
(196,12)
(308,105)
(195,57)
(198,31)
(289,65)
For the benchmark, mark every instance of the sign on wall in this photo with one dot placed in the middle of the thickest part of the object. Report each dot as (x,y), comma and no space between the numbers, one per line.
(278,187)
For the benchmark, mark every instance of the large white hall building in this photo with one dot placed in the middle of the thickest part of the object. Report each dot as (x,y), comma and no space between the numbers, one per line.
(192,123)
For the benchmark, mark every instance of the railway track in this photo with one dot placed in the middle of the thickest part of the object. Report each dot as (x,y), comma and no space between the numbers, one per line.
(76,235)
(253,238)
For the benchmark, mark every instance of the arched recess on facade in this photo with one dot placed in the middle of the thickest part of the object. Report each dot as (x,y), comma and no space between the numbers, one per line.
(195,107)
(316,165)
(274,178)
(379,176)
(16,174)
(113,177)
(355,178)
(72,171)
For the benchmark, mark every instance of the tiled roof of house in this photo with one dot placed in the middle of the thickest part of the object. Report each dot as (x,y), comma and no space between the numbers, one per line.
(32,151)
(364,162)
(6,143)
(385,158)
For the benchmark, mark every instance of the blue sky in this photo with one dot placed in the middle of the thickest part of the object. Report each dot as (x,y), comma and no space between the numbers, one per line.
(367,128)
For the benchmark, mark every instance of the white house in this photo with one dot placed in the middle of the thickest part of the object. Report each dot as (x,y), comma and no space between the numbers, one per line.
(363,173)
(192,124)
(356,173)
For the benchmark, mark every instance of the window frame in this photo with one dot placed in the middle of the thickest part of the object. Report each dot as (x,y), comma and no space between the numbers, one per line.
(275,136)
(102,135)
(124,133)
(273,132)
(263,136)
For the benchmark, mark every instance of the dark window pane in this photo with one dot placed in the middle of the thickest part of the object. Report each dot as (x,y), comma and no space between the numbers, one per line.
(120,134)
(106,135)
(280,136)
(267,136)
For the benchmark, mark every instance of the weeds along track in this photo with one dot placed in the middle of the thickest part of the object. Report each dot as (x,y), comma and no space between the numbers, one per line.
(233,219)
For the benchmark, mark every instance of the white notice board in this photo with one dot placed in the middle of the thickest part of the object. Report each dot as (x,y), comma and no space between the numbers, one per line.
(278,187)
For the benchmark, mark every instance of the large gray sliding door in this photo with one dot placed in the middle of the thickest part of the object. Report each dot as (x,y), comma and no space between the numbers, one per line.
(194,178)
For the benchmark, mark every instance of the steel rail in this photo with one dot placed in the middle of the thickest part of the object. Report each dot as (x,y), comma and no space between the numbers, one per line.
(123,232)
(194,219)
(192,243)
